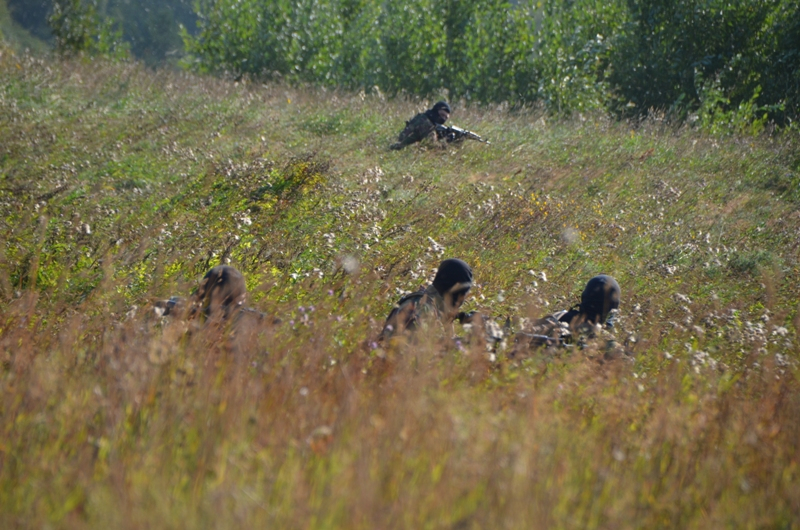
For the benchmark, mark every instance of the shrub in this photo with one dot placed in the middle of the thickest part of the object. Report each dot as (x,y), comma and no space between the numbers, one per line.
(667,50)
(484,50)
(78,28)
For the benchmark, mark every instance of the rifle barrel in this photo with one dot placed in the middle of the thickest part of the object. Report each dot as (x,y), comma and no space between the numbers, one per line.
(542,340)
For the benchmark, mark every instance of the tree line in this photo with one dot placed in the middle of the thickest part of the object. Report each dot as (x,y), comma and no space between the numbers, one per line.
(146,29)
(724,64)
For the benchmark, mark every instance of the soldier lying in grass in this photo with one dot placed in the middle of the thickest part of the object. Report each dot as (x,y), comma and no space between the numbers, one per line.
(423,126)
(436,305)
(220,297)
(431,124)
(593,318)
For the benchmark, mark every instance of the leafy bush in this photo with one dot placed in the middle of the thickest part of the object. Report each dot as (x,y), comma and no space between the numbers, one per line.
(733,65)
(632,56)
(78,27)
(775,62)
(484,50)
(750,262)
(717,116)
(667,49)
(149,27)
(571,49)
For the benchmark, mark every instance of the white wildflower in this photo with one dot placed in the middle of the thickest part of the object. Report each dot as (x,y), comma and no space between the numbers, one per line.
(570,236)
(682,298)
(350,264)
(780,331)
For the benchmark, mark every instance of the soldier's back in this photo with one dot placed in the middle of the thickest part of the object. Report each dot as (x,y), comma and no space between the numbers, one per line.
(221,293)
(408,313)
(417,129)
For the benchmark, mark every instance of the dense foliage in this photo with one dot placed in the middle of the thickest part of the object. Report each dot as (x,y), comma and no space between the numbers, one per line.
(148,28)
(723,65)
(632,57)
(78,27)
(717,55)
(486,50)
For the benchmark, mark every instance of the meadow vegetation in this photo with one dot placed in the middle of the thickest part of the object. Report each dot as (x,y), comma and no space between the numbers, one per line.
(732,65)
(121,185)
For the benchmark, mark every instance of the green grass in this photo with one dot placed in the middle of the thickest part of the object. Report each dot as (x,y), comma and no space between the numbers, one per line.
(120,185)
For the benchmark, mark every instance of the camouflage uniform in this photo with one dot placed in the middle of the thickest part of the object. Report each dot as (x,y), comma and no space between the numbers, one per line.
(220,296)
(417,129)
(219,301)
(436,303)
(421,126)
(593,319)
(221,293)
(413,310)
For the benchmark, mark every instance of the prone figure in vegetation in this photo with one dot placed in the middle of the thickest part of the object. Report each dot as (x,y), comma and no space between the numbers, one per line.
(423,125)
(595,314)
(439,303)
(220,297)
(221,294)
(431,124)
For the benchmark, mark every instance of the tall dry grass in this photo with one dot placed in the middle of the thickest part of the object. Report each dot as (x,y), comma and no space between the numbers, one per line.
(112,418)
(131,424)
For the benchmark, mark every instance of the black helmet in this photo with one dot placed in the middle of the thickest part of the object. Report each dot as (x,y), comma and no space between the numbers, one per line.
(433,113)
(452,275)
(599,298)
(441,105)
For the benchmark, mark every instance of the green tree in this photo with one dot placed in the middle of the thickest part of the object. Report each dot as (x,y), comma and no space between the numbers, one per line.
(666,43)
(413,41)
(360,61)
(78,27)
(151,27)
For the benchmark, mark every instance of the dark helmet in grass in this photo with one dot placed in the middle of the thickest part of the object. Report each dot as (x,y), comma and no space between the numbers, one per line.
(453,274)
(599,298)
(441,105)
(453,281)
(435,114)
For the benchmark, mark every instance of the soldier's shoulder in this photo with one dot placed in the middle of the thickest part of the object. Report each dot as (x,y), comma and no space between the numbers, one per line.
(413,296)
(420,119)
(422,299)
(406,312)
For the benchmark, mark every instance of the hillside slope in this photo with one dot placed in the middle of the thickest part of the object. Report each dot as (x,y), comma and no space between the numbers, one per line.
(16,36)
(120,185)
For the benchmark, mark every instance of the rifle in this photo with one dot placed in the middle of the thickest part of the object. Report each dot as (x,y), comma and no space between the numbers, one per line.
(175,304)
(171,306)
(454,134)
(493,333)
(537,340)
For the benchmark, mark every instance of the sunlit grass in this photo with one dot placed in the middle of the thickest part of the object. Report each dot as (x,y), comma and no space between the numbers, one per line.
(119,186)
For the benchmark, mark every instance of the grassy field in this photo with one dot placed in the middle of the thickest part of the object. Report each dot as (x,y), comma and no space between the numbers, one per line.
(120,186)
